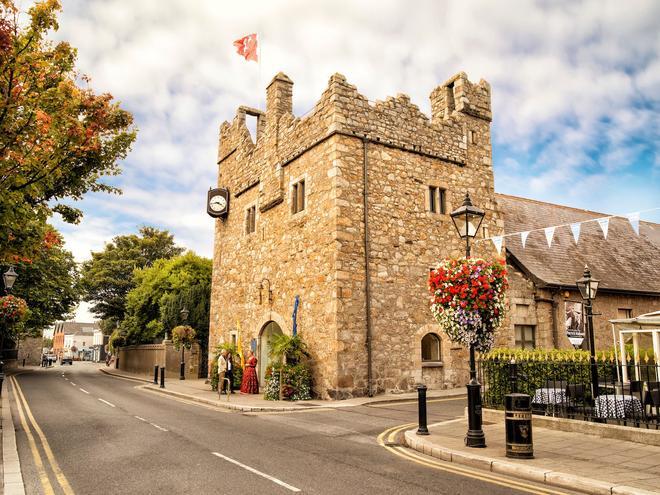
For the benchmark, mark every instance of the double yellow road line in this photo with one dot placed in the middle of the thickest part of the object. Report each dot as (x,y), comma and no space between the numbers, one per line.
(25,415)
(388,439)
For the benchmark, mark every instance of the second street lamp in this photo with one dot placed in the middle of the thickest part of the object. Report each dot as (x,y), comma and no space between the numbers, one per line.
(467,219)
(588,287)
(184,316)
(8,278)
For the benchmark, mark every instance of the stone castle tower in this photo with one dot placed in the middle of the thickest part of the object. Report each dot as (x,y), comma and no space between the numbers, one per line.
(310,196)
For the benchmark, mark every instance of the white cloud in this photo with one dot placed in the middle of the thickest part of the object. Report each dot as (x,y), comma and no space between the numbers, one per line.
(575,88)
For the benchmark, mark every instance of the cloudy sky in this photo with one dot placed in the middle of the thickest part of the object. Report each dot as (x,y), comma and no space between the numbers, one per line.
(576,91)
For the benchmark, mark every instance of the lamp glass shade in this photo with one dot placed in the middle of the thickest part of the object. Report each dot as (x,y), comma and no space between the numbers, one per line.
(467,218)
(587,285)
(9,277)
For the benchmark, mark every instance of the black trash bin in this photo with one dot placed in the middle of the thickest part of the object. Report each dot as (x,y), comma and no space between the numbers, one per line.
(518,420)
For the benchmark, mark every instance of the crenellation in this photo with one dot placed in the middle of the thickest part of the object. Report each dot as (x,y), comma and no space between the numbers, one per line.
(319,253)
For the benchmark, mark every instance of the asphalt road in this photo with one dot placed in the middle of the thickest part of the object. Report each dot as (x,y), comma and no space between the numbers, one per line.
(106,436)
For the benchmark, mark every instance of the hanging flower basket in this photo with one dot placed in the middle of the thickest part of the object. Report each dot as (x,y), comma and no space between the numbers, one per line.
(468,300)
(183,335)
(12,309)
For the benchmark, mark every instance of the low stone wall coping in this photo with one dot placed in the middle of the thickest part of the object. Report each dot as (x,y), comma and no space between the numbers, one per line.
(628,433)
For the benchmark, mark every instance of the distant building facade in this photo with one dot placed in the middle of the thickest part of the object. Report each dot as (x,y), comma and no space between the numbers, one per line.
(71,334)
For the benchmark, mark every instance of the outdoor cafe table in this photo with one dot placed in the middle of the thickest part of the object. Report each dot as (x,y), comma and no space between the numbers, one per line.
(618,406)
(549,396)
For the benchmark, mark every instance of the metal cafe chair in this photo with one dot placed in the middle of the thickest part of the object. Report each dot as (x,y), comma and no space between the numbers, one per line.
(576,398)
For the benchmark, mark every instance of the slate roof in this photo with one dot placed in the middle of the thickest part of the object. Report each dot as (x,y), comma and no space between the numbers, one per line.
(622,262)
(76,328)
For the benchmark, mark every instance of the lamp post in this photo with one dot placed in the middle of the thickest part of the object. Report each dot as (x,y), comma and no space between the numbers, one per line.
(588,287)
(184,316)
(8,278)
(467,219)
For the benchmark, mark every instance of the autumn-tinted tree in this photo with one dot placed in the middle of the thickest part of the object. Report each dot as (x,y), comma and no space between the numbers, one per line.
(58,139)
(48,283)
(108,276)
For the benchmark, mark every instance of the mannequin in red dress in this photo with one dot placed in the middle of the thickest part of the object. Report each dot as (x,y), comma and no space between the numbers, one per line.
(250,383)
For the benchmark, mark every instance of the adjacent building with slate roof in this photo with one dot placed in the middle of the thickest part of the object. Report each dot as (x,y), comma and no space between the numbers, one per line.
(543,278)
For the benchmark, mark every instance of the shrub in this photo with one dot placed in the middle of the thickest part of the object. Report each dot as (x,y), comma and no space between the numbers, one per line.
(296,382)
(538,366)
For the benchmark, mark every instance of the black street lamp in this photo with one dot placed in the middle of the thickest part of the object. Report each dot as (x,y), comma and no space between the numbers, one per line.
(467,219)
(588,287)
(9,277)
(184,316)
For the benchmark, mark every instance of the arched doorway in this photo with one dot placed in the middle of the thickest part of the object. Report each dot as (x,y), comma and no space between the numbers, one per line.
(271,328)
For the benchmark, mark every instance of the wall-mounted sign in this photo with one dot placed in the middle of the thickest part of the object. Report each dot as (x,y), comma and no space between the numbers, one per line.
(217,203)
(574,322)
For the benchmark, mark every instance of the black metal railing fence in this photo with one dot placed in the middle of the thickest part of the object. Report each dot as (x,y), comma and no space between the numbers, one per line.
(564,388)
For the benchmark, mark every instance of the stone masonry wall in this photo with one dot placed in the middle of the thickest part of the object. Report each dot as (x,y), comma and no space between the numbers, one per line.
(319,253)
(545,309)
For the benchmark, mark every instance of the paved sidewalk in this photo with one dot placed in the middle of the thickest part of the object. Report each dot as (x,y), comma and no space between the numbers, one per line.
(572,460)
(199,391)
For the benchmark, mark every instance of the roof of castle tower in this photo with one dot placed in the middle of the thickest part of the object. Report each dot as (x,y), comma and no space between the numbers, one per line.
(622,262)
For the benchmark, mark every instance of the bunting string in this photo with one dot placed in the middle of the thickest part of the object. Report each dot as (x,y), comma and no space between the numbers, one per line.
(603,222)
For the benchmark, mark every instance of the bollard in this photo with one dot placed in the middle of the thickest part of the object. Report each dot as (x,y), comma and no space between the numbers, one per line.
(421,406)
(156,375)
(518,425)
(117,362)
(513,375)
(162,378)
(23,362)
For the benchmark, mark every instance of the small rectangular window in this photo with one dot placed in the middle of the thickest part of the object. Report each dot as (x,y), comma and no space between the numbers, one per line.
(525,336)
(472,137)
(624,313)
(298,197)
(437,200)
(433,206)
(250,219)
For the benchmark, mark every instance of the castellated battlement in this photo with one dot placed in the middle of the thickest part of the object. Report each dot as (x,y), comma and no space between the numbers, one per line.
(345,209)
(459,107)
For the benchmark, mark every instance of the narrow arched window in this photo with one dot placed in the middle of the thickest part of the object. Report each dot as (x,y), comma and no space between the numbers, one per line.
(431,347)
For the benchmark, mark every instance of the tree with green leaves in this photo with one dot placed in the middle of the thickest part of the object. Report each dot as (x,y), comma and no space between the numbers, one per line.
(58,138)
(107,278)
(49,285)
(162,290)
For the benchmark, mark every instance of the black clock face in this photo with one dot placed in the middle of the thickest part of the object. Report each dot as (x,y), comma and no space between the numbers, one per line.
(217,204)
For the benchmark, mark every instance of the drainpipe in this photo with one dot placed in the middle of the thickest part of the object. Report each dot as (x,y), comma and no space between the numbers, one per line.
(365,197)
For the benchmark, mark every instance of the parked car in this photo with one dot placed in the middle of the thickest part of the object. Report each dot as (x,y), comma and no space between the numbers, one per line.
(67,358)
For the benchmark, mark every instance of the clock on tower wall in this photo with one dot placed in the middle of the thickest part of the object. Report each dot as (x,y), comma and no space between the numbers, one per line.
(217,202)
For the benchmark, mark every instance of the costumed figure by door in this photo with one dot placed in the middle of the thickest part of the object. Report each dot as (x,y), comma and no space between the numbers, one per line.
(250,383)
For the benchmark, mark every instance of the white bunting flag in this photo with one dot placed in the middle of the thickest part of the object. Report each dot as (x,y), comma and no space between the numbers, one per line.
(549,233)
(604,225)
(575,228)
(523,238)
(497,240)
(633,218)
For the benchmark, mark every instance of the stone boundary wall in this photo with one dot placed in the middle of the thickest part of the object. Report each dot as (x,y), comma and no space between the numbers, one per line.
(141,359)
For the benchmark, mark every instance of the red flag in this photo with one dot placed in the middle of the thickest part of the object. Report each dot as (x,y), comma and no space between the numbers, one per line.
(247,47)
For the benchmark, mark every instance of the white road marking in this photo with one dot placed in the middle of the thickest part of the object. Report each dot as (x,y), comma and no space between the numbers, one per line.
(108,403)
(72,384)
(159,427)
(252,470)
(141,419)
(67,379)
(84,391)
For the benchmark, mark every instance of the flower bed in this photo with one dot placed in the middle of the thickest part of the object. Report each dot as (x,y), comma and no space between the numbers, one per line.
(12,309)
